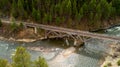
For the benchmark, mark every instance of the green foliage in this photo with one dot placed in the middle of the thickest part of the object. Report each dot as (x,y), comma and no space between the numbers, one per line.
(41,62)
(3,63)
(21,58)
(58,20)
(105,66)
(116,5)
(4,6)
(36,14)
(47,18)
(118,63)
(21,26)
(14,9)
(109,64)
(14,26)
(48,10)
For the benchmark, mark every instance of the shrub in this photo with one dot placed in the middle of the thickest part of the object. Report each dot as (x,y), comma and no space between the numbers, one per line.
(21,25)
(105,66)
(109,64)
(3,63)
(118,63)
(41,62)
(14,26)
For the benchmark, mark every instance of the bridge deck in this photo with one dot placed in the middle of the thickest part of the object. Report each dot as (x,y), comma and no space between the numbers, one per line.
(76,32)
(72,31)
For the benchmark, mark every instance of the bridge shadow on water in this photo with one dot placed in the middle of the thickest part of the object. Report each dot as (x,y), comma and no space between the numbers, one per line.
(60,43)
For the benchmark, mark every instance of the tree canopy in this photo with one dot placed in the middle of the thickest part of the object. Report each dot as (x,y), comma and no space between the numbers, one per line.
(48,11)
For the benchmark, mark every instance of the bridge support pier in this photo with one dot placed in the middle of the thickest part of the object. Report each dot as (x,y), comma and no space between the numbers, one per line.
(35,30)
(78,43)
(67,42)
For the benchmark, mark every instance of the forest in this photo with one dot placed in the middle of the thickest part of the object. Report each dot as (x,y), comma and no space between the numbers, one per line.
(61,11)
(22,58)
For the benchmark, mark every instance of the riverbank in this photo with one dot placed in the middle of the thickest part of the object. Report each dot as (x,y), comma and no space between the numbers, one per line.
(29,35)
(24,35)
(112,59)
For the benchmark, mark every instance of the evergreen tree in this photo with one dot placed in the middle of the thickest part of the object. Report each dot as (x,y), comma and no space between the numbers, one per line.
(4,63)
(22,13)
(98,12)
(49,10)
(80,14)
(105,9)
(74,8)
(14,12)
(41,62)
(68,7)
(116,5)
(36,14)
(21,58)
(85,9)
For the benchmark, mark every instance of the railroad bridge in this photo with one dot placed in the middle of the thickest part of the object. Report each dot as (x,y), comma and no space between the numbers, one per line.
(76,35)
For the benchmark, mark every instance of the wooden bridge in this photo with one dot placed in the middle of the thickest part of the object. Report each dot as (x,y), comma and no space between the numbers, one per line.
(75,34)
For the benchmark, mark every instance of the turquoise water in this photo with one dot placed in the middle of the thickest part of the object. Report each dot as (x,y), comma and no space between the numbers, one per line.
(52,50)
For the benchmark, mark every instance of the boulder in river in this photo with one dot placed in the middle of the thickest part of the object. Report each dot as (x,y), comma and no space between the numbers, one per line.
(69,51)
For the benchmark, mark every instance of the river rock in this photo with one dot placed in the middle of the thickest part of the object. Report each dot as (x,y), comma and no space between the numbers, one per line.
(69,51)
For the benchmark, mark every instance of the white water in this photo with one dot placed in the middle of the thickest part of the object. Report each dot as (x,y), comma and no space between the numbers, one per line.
(57,55)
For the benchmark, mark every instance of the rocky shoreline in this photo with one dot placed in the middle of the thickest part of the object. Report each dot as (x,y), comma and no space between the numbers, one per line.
(112,59)
(21,38)
(17,40)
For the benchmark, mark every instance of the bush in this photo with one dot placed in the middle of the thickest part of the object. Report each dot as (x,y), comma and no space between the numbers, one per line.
(14,26)
(22,59)
(3,63)
(105,66)
(109,64)
(118,63)
(41,62)
(21,25)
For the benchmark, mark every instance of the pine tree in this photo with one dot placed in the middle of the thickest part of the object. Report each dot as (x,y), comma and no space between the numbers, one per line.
(68,7)
(105,8)
(36,14)
(85,9)
(98,12)
(74,8)
(92,5)
(3,63)
(80,14)
(14,12)
(21,58)
(41,62)
(116,5)
(21,11)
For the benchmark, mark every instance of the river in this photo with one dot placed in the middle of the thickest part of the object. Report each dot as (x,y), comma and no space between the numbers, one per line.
(58,54)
